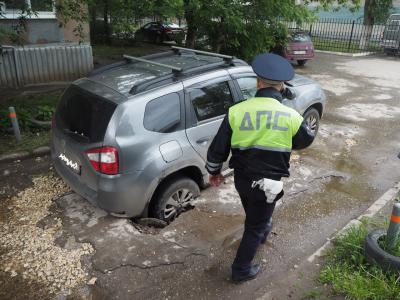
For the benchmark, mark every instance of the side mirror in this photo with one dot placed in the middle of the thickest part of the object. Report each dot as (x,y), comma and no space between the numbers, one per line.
(289,94)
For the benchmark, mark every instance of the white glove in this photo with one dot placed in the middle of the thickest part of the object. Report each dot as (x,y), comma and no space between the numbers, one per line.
(270,187)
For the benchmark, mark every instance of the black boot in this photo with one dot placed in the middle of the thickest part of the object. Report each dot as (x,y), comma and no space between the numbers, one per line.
(254,270)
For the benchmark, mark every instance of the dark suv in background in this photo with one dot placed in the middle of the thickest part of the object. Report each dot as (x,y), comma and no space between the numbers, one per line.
(159,32)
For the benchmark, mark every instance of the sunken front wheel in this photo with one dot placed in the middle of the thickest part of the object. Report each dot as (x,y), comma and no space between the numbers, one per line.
(311,116)
(174,197)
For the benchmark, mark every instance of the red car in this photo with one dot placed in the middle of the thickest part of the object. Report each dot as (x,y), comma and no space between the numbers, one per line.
(299,47)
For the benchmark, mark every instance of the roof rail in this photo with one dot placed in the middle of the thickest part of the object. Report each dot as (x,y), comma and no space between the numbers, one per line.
(227,58)
(173,68)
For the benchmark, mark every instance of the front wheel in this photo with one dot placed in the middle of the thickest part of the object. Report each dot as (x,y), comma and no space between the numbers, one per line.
(301,62)
(312,118)
(175,196)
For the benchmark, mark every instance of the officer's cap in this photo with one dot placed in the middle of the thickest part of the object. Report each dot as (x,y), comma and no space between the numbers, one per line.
(273,68)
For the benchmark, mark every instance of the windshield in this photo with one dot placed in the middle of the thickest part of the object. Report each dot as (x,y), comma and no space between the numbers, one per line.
(394,17)
(300,37)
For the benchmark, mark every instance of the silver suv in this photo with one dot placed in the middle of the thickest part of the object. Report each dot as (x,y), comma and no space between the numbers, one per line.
(132,137)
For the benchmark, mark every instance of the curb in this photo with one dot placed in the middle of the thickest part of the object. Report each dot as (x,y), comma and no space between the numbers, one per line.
(388,196)
(345,54)
(40,151)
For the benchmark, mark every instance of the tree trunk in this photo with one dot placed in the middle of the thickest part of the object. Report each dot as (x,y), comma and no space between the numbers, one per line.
(191,24)
(368,15)
(368,24)
(93,14)
(107,33)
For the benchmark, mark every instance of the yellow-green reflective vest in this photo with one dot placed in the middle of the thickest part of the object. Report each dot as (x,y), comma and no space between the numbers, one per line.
(263,123)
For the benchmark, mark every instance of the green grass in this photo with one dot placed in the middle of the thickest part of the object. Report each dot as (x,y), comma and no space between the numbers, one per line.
(30,141)
(341,46)
(30,102)
(348,273)
(312,294)
(25,106)
(395,251)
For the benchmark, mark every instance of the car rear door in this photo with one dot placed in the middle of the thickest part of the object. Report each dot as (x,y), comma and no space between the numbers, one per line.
(207,102)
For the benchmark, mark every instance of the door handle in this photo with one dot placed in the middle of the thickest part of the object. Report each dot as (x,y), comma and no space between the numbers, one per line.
(203,141)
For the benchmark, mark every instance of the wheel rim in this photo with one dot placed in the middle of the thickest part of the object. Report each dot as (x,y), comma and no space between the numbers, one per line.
(312,123)
(177,203)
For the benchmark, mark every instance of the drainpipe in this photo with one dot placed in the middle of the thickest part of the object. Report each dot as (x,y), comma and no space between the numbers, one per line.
(17,71)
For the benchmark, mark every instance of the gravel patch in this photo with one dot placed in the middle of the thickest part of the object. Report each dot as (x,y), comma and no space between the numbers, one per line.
(31,251)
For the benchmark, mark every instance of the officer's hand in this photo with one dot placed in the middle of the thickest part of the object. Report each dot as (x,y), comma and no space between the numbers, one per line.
(216,180)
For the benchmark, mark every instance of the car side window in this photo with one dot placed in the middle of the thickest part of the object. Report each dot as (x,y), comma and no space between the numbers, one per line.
(248,86)
(211,101)
(147,26)
(163,114)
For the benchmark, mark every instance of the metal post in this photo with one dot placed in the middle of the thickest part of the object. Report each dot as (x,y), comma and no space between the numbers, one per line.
(393,233)
(14,121)
(351,36)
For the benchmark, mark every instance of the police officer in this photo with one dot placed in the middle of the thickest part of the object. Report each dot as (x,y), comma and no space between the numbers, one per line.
(261,132)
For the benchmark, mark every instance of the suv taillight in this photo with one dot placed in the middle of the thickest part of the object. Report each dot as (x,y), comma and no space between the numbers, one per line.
(104,159)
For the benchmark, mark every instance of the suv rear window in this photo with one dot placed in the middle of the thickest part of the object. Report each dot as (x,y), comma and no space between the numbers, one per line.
(85,114)
(163,114)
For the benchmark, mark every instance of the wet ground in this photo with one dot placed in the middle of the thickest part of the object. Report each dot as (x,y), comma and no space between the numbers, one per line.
(352,162)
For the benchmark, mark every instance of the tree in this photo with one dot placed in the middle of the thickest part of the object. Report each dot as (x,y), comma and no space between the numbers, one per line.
(245,27)
(375,11)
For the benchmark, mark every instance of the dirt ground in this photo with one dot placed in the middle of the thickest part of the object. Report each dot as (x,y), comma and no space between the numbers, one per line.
(352,162)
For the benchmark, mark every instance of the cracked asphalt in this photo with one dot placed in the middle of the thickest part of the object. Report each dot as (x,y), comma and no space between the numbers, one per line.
(352,162)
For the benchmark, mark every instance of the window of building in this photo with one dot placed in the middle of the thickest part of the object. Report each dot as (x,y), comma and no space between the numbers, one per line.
(42,5)
(16,4)
(211,101)
(163,114)
(42,9)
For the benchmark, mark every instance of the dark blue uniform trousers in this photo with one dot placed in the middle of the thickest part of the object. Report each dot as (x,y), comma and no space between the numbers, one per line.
(257,224)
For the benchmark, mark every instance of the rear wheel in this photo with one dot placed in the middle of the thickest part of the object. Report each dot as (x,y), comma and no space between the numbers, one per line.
(175,196)
(311,116)
(301,62)
(159,39)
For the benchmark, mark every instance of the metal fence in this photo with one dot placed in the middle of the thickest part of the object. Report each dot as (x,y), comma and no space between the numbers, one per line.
(350,36)
(20,66)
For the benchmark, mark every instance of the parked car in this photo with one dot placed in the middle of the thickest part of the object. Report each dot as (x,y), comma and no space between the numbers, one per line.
(299,48)
(391,35)
(133,136)
(159,32)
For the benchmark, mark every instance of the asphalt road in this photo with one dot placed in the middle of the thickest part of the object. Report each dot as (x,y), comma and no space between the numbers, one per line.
(352,162)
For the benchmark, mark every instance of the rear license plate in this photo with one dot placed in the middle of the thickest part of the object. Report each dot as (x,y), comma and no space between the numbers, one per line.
(299,52)
(73,165)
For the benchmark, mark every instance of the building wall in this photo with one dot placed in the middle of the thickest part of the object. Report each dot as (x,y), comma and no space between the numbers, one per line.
(43,28)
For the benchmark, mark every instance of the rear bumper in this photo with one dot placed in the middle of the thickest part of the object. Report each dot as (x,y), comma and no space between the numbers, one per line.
(299,57)
(123,194)
(391,44)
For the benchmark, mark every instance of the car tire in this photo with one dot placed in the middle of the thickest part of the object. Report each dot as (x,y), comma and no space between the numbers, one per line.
(312,118)
(174,197)
(159,39)
(301,62)
(374,254)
